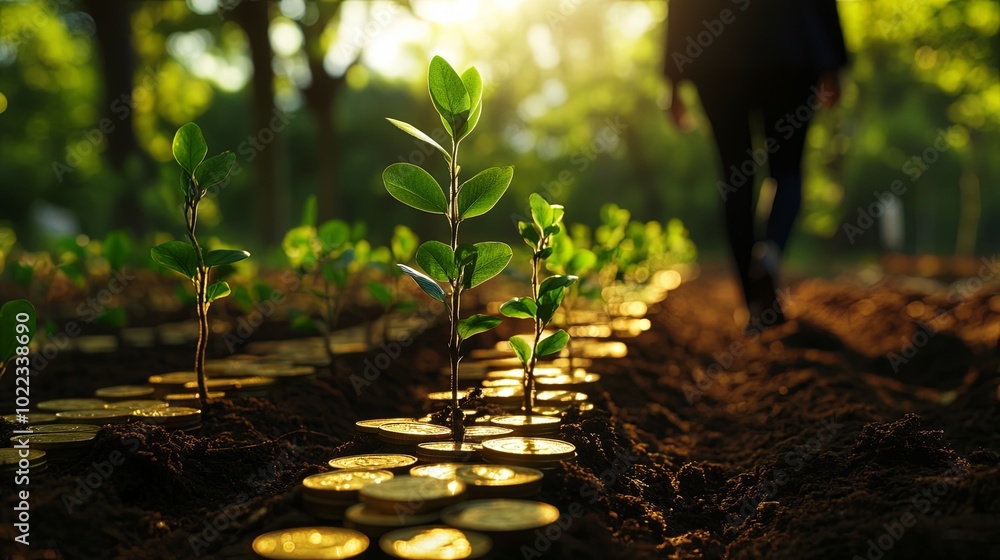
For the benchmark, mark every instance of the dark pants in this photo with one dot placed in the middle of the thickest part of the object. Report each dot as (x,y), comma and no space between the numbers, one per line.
(785,102)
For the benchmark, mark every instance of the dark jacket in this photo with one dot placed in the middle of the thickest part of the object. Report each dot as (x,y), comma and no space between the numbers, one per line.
(724,41)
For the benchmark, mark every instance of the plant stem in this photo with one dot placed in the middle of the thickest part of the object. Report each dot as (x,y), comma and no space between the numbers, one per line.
(454,341)
(201,296)
(567,309)
(529,368)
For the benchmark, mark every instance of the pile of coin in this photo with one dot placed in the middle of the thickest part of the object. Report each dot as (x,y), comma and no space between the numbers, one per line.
(524,425)
(435,451)
(375,523)
(395,463)
(59,445)
(328,495)
(330,543)
(412,495)
(441,471)
(501,516)
(534,452)
(429,541)
(171,418)
(138,404)
(33,418)
(59,405)
(12,460)
(479,434)
(170,383)
(500,481)
(409,434)
(190,400)
(97,417)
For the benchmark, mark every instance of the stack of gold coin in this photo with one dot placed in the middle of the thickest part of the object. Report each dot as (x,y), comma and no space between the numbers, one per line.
(517,374)
(58,445)
(167,383)
(64,429)
(496,481)
(375,523)
(479,434)
(329,543)
(560,398)
(59,405)
(98,417)
(138,404)
(413,495)
(254,386)
(580,380)
(12,460)
(34,418)
(428,541)
(371,426)
(409,434)
(512,396)
(534,452)
(171,418)
(533,425)
(501,517)
(124,392)
(434,451)
(224,384)
(189,399)
(328,495)
(441,471)
(393,462)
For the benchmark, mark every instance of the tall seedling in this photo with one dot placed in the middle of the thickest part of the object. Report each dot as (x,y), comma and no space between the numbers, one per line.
(188,258)
(546,295)
(461,266)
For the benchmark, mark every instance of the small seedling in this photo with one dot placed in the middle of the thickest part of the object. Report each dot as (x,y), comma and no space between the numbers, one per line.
(17,328)
(387,292)
(546,295)
(188,258)
(458,101)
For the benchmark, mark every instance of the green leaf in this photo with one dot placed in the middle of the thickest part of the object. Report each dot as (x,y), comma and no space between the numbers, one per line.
(474,85)
(186,184)
(189,147)
(557,214)
(541,211)
(491,258)
(300,246)
(177,256)
(521,348)
(380,293)
(465,254)
(471,326)
(553,343)
(529,234)
(428,285)
(117,247)
(335,271)
(480,193)
(333,235)
(437,260)
(9,322)
(420,135)
(403,243)
(216,291)
(555,283)
(544,253)
(214,170)
(448,94)
(220,257)
(413,186)
(309,211)
(547,306)
(519,308)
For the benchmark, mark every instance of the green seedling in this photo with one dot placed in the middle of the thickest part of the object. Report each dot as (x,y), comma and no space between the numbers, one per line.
(402,248)
(188,258)
(17,325)
(461,266)
(546,295)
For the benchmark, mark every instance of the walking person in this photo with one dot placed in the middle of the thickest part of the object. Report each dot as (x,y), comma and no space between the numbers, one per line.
(772,62)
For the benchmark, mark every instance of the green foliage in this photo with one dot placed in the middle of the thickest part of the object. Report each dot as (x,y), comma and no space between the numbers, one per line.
(414,187)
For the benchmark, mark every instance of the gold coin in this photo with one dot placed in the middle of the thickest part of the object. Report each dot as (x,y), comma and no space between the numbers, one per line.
(345,480)
(518,373)
(526,424)
(364,516)
(124,392)
(440,471)
(371,426)
(224,383)
(434,543)
(137,404)
(98,416)
(284,371)
(374,461)
(189,400)
(465,451)
(169,412)
(531,448)
(498,475)
(503,394)
(10,457)
(494,516)
(549,397)
(57,441)
(483,433)
(325,543)
(32,418)
(174,378)
(59,405)
(64,428)
(413,431)
(414,494)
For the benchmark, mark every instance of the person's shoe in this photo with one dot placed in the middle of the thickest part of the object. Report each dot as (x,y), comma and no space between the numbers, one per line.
(763,295)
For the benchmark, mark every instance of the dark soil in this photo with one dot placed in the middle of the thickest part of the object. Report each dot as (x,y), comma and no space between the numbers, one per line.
(813,440)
